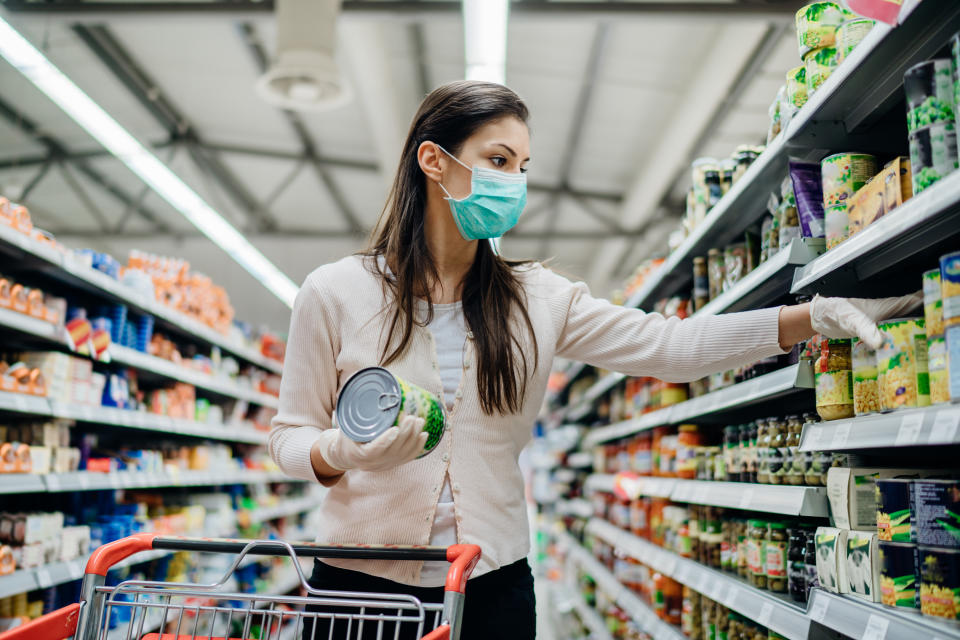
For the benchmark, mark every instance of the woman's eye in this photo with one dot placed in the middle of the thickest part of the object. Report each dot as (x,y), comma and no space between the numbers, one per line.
(498,161)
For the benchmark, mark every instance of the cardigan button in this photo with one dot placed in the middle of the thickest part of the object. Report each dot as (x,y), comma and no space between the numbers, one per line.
(456,486)
(458,394)
(445,457)
(470,334)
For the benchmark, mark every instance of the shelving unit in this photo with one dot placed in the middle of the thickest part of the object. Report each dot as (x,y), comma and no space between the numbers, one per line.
(936,425)
(90,481)
(791,379)
(860,619)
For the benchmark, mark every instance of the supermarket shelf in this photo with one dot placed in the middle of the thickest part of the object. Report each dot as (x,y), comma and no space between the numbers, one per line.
(853,617)
(923,221)
(91,481)
(762,388)
(766,498)
(23,323)
(937,425)
(71,271)
(585,406)
(166,368)
(284,509)
(773,612)
(39,406)
(572,371)
(608,583)
(577,508)
(587,614)
(769,281)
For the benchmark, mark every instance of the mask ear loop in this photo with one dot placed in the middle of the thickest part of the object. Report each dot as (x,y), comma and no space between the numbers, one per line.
(457,160)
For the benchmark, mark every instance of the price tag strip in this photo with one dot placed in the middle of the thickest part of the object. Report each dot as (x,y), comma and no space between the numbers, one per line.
(818,611)
(766,612)
(876,628)
(909,431)
(945,425)
(841,433)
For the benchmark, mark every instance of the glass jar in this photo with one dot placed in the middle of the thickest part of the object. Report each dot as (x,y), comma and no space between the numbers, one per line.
(866,392)
(743,550)
(753,455)
(712,537)
(775,557)
(688,439)
(795,459)
(833,374)
(796,568)
(763,444)
(690,614)
(810,562)
(708,618)
(715,272)
(701,283)
(728,545)
(723,622)
(683,545)
(777,451)
(731,453)
(735,626)
(743,452)
(716,464)
(640,517)
(756,548)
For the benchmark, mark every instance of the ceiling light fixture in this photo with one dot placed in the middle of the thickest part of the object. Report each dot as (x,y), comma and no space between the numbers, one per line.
(27,59)
(485,36)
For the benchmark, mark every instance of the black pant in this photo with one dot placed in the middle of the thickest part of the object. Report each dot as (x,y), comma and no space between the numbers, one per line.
(499,604)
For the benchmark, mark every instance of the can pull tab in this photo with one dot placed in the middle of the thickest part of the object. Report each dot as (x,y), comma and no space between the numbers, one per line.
(388,401)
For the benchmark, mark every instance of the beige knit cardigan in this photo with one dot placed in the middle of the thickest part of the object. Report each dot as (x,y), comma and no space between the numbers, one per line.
(338,327)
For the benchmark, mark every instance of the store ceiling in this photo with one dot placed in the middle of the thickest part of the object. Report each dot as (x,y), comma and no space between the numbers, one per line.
(622,96)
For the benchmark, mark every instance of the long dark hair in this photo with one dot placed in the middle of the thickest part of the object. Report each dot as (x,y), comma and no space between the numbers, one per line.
(493,297)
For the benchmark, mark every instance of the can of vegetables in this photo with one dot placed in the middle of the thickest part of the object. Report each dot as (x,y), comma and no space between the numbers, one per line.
(899,574)
(817,25)
(850,34)
(929,89)
(866,396)
(843,174)
(933,303)
(939,582)
(939,373)
(933,153)
(373,400)
(797,86)
(950,285)
(893,508)
(902,367)
(819,64)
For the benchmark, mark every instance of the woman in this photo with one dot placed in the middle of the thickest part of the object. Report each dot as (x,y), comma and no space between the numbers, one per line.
(433,302)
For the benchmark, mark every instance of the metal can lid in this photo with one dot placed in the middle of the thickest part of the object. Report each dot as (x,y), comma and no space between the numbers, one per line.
(368,404)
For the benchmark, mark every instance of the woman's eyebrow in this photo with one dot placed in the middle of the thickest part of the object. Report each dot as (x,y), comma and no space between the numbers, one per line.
(511,151)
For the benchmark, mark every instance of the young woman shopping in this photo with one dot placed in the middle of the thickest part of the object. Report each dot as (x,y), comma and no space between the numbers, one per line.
(433,302)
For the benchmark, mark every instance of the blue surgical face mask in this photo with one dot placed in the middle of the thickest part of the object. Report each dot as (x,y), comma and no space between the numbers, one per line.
(494,205)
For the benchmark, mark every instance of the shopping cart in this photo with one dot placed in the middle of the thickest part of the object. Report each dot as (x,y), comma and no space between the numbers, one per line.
(148,610)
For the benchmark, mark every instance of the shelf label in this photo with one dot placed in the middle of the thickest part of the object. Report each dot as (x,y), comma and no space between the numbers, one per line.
(909,431)
(716,588)
(766,612)
(841,433)
(53,482)
(945,426)
(84,480)
(746,498)
(818,611)
(876,628)
(20,402)
(731,600)
(701,494)
(44,579)
(813,437)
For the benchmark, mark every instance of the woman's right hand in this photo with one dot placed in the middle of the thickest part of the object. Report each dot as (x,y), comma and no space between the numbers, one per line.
(395,446)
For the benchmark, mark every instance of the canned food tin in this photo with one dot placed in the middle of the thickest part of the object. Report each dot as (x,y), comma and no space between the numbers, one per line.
(939,374)
(936,512)
(939,582)
(902,370)
(850,34)
(836,221)
(899,574)
(929,89)
(933,302)
(819,64)
(952,339)
(893,509)
(373,400)
(933,154)
(866,397)
(950,284)
(817,25)
(797,86)
(843,174)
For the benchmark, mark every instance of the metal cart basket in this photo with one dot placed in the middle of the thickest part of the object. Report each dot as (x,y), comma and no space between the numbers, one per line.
(150,610)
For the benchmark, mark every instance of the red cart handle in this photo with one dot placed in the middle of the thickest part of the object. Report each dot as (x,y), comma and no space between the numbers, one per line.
(463,558)
(61,623)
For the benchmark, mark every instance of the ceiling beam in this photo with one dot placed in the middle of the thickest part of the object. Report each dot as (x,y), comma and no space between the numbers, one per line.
(111,52)
(59,153)
(308,147)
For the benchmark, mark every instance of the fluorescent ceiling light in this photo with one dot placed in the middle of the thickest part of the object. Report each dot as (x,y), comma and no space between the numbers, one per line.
(98,123)
(485,35)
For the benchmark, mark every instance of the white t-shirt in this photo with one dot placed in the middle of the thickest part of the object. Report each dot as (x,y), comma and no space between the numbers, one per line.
(449,329)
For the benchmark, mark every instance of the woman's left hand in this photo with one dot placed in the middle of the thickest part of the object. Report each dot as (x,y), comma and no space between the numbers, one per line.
(858,317)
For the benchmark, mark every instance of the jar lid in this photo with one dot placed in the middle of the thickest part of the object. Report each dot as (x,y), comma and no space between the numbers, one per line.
(776,525)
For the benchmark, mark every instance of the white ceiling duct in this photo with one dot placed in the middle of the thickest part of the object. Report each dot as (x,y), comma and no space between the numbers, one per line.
(305,75)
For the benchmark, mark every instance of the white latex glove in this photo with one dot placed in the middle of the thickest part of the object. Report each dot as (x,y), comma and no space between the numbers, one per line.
(393,447)
(858,317)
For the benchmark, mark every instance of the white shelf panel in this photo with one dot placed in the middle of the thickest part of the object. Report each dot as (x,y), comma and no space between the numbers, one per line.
(28,324)
(23,403)
(577,508)
(600,482)
(852,617)
(66,268)
(937,425)
(775,613)
(286,508)
(766,387)
(91,481)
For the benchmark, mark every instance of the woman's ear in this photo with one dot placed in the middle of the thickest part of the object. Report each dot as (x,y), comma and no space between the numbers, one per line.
(429,158)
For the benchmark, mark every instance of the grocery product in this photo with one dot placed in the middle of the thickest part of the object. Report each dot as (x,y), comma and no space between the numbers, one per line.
(836,224)
(796,567)
(955,59)
(817,25)
(933,154)
(701,283)
(852,496)
(929,89)
(936,512)
(939,373)
(775,557)
(715,272)
(756,553)
(795,460)
(866,397)
(734,264)
(950,284)
(688,439)
(819,64)
(939,581)
(843,174)
(902,368)
(880,195)
(797,86)
(932,303)
(831,571)
(850,34)
(893,509)
(373,400)
(862,565)
(808,191)
(952,340)
(833,374)
(899,574)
